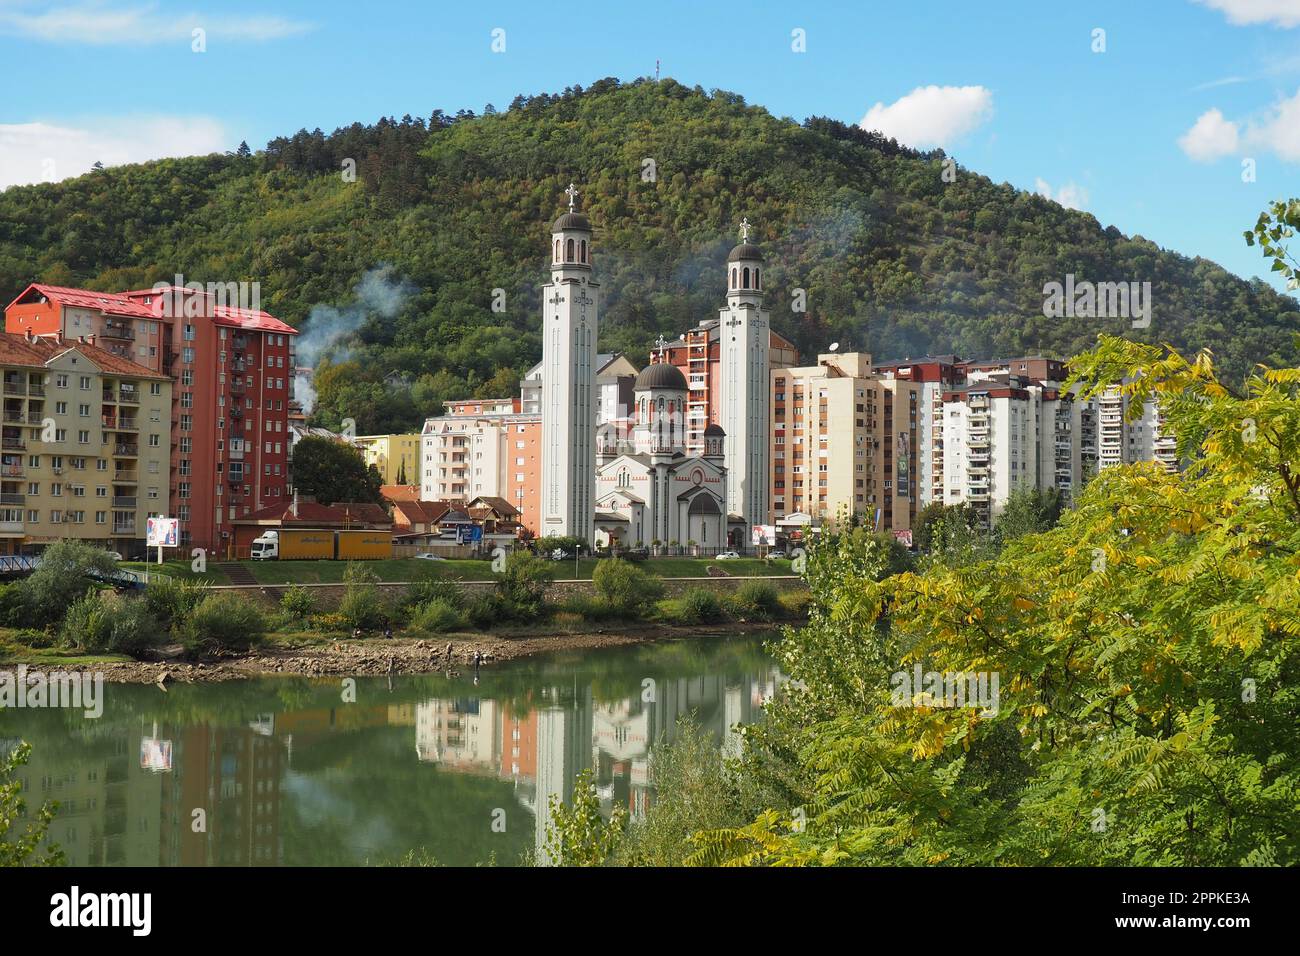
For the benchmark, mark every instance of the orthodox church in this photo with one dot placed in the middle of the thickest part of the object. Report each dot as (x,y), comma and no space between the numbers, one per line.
(632,480)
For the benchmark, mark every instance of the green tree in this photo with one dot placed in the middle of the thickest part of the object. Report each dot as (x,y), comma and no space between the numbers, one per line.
(577,834)
(21,848)
(1146,648)
(64,575)
(331,471)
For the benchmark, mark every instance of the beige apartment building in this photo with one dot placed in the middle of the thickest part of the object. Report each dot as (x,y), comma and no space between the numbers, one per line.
(397,457)
(85,449)
(844,439)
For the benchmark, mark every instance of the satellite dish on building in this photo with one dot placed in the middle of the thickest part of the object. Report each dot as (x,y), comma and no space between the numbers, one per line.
(835,346)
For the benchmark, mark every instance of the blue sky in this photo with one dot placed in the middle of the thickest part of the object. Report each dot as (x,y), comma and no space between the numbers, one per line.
(1149,135)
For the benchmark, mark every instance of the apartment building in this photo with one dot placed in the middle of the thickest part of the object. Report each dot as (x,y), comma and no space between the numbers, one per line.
(1121,441)
(232,374)
(844,440)
(698,355)
(484,448)
(84,450)
(991,442)
(934,375)
(397,457)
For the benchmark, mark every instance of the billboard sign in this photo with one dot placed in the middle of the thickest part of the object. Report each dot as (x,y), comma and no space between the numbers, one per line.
(764,534)
(163,532)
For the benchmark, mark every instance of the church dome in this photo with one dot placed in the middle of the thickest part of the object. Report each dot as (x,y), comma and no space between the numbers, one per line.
(714,429)
(746,252)
(661,375)
(572,220)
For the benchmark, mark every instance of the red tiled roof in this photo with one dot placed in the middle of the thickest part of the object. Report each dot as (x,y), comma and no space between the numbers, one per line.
(114,303)
(16,349)
(312,512)
(400,492)
(129,304)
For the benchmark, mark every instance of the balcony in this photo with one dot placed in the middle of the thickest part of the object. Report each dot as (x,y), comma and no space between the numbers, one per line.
(124,527)
(118,330)
(126,478)
(128,396)
(11,527)
(124,450)
(15,388)
(12,498)
(122,501)
(14,444)
(15,416)
(115,424)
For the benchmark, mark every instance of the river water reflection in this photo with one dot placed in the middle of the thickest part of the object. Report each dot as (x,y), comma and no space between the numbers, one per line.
(284,771)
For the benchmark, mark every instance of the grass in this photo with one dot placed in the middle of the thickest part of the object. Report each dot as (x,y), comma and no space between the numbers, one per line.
(413,569)
(14,650)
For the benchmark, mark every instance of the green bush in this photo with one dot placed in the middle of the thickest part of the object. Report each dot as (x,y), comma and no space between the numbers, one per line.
(438,616)
(172,600)
(297,603)
(362,607)
(698,606)
(421,592)
(627,590)
(522,586)
(223,622)
(755,600)
(485,610)
(111,625)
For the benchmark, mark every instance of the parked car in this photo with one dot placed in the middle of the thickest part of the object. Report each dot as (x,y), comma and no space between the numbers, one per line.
(777,553)
(635,554)
(727,555)
(426,556)
(115,555)
(560,554)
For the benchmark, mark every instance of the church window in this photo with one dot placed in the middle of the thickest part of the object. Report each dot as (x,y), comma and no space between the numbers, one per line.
(584,250)
(568,250)
(557,250)
(733,277)
(744,278)
(756,273)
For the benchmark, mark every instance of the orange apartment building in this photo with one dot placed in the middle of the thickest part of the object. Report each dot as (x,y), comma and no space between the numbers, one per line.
(484,448)
(698,355)
(232,374)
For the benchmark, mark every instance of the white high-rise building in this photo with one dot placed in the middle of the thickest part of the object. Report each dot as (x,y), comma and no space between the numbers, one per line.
(569,317)
(744,387)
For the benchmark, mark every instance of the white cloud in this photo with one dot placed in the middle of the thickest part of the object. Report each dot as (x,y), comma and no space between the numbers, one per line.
(1071,195)
(1282,13)
(42,152)
(1280,131)
(932,115)
(1211,137)
(103,24)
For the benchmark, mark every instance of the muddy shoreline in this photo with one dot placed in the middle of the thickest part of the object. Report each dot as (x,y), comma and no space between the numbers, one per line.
(377,657)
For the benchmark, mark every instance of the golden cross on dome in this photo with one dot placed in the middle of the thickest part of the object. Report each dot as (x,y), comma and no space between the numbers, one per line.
(661,343)
(744,229)
(572,193)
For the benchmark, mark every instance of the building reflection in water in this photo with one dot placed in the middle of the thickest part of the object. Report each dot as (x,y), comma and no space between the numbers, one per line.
(128,795)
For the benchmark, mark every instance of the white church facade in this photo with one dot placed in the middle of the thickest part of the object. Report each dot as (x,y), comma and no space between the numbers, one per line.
(608,484)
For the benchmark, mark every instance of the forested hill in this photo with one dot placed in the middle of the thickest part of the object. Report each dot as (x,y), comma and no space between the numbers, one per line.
(894,259)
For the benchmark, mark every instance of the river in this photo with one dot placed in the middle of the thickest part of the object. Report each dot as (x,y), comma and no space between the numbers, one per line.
(290,771)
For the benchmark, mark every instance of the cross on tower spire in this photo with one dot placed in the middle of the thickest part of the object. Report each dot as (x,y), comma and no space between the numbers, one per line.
(744,229)
(661,343)
(572,193)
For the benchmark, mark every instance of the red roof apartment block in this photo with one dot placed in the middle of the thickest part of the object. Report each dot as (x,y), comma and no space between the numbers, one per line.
(232,371)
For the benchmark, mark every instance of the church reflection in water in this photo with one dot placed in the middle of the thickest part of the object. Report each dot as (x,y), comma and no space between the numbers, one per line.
(282,772)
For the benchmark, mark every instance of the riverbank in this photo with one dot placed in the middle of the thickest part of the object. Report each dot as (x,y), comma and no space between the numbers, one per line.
(375,657)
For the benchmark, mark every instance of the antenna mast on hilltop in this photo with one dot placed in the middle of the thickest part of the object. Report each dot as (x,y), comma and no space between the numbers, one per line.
(656,70)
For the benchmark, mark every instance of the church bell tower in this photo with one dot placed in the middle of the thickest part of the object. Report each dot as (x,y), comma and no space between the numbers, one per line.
(569,317)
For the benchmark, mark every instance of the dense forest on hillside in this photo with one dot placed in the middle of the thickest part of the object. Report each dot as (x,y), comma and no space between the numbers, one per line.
(392,275)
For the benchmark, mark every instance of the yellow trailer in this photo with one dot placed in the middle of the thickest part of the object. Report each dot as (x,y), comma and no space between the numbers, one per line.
(364,545)
(306,545)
